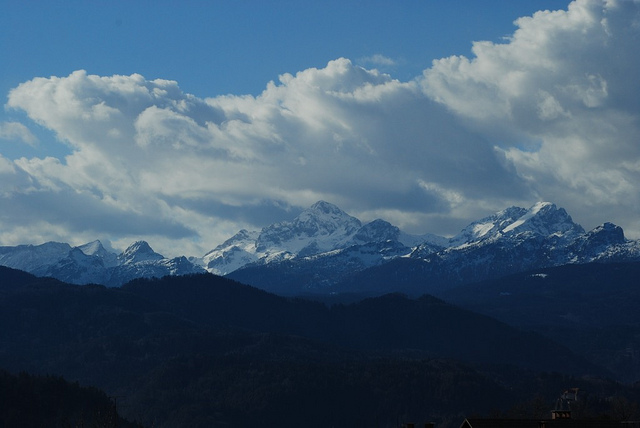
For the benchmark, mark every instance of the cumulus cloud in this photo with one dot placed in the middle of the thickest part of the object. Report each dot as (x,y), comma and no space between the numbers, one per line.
(566,81)
(549,114)
(357,137)
(17,131)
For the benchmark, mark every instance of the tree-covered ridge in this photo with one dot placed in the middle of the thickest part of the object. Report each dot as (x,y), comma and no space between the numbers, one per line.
(29,401)
(205,351)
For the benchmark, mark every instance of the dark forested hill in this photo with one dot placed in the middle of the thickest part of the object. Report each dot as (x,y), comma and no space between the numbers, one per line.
(385,323)
(202,350)
(47,401)
(592,308)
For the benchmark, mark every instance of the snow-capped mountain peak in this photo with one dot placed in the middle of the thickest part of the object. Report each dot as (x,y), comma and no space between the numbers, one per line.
(487,227)
(92,263)
(324,245)
(139,251)
(34,258)
(232,254)
(92,248)
(323,218)
(243,240)
(545,219)
(95,248)
(322,227)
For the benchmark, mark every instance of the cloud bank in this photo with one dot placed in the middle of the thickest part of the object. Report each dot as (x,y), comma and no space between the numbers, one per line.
(552,113)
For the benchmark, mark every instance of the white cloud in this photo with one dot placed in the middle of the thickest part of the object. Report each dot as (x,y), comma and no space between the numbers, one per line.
(17,131)
(552,114)
(342,133)
(568,81)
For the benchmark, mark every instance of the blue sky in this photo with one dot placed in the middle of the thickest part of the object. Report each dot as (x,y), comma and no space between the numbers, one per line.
(193,120)
(228,47)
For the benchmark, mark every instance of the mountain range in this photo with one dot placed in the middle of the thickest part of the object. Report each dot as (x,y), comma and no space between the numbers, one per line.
(92,263)
(326,251)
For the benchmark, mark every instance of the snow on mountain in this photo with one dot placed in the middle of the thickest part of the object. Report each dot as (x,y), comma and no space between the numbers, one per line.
(235,252)
(545,219)
(151,268)
(515,240)
(96,248)
(140,261)
(79,268)
(35,259)
(92,263)
(324,245)
(515,236)
(509,241)
(542,219)
(325,231)
(605,243)
(322,227)
(487,227)
(507,222)
(139,251)
(322,230)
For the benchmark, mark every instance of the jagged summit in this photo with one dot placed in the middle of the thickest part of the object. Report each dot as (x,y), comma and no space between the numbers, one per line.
(325,207)
(244,240)
(92,248)
(545,219)
(377,231)
(95,248)
(542,219)
(92,263)
(324,245)
(608,233)
(322,227)
(323,218)
(487,227)
(139,251)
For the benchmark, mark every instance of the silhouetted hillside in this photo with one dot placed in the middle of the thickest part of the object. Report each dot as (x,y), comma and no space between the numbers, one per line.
(46,401)
(386,323)
(205,351)
(591,308)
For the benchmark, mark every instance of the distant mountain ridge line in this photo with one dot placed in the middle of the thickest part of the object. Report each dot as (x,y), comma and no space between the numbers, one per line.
(331,245)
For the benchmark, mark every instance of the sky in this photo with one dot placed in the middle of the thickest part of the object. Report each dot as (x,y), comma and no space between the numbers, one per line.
(182,123)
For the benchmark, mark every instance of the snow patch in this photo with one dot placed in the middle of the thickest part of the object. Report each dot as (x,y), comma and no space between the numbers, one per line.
(539,275)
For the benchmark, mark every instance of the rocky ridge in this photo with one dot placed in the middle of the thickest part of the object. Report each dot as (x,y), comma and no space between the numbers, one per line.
(325,249)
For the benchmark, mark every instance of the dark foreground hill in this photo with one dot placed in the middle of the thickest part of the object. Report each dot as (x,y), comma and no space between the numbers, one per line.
(47,401)
(204,351)
(592,308)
